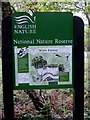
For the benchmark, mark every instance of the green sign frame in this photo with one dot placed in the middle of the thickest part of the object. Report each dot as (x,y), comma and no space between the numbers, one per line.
(43,50)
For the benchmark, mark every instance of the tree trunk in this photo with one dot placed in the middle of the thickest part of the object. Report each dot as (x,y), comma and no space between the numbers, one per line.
(40,106)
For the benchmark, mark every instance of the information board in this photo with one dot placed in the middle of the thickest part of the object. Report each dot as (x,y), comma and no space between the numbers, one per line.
(42,50)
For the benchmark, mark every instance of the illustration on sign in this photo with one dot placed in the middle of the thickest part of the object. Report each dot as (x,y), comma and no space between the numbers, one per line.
(43,50)
(42,65)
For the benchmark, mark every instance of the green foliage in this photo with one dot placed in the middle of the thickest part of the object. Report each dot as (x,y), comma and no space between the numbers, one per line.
(86,34)
(44,6)
(87,9)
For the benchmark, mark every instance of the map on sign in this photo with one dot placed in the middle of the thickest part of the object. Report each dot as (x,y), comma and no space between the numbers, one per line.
(43,50)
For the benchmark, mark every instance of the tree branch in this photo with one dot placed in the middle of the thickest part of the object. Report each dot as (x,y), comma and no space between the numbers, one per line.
(36,101)
(81,8)
(87,16)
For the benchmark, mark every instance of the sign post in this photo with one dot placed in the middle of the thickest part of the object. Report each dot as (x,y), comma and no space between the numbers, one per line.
(79,68)
(45,55)
(7,68)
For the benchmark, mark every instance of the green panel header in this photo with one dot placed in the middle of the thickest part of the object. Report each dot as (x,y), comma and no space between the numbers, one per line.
(43,50)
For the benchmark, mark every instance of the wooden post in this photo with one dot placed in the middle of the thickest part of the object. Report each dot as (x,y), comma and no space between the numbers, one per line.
(79,68)
(7,68)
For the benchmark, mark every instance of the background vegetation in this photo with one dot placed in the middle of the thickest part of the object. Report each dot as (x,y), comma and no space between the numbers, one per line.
(56,104)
